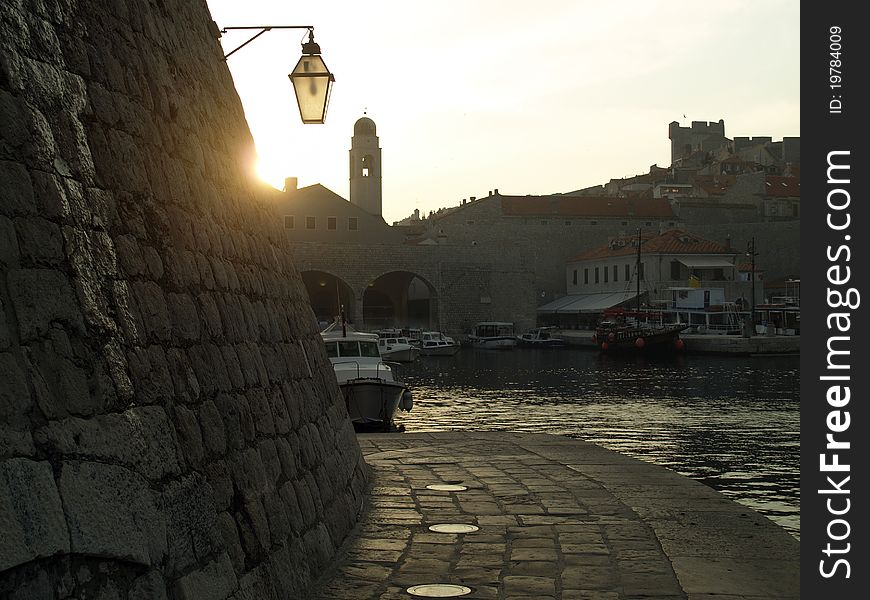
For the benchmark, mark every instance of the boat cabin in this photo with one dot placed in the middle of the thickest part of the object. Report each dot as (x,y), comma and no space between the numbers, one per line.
(352,348)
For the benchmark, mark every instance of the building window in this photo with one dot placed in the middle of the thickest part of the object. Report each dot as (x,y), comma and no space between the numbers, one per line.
(586,276)
(596,274)
(624,223)
(641,275)
(470,222)
(648,223)
(575,276)
(544,222)
(606,274)
(352,224)
(310,222)
(628,272)
(331,222)
(675,270)
(615,273)
(289,222)
(569,222)
(593,223)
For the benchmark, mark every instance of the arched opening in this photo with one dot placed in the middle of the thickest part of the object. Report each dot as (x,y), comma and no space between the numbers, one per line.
(400,299)
(327,294)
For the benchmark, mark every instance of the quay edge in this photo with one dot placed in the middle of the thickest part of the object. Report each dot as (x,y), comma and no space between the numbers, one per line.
(710,344)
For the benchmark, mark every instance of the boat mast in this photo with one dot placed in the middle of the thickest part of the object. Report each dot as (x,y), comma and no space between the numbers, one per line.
(638,272)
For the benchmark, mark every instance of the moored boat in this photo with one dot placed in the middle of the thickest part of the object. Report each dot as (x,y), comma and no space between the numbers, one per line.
(371,391)
(493,335)
(434,343)
(398,349)
(626,331)
(540,337)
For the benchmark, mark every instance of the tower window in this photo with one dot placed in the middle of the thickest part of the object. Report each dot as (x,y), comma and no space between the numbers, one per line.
(310,222)
(368,166)
(330,222)
(575,276)
(289,222)
(352,224)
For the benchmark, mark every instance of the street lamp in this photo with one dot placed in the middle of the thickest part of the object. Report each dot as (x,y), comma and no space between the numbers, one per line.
(311,79)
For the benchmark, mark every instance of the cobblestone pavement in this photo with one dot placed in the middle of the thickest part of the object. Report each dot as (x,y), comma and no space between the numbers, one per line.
(558,519)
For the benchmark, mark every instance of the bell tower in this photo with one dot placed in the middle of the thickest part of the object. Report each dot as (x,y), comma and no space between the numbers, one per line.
(365,167)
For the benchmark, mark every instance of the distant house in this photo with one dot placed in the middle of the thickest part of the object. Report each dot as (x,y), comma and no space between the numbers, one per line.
(611,275)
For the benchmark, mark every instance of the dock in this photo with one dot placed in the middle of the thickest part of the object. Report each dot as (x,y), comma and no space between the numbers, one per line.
(553,518)
(709,344)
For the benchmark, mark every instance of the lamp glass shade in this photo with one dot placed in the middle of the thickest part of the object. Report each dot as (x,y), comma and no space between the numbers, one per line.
(312,83)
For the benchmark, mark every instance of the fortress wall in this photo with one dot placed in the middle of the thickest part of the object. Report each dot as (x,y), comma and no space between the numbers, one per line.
(170,426)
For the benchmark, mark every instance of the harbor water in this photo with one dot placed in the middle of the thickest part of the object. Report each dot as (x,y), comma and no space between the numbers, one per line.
(731,422)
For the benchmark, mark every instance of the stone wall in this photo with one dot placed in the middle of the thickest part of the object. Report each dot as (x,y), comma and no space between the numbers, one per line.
(170,426)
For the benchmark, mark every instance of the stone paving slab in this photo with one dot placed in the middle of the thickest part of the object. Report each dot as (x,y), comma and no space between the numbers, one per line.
(558,519)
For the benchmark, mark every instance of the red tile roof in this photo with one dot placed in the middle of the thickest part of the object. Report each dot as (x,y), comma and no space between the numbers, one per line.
(783,187)
(674,241)
(585,206)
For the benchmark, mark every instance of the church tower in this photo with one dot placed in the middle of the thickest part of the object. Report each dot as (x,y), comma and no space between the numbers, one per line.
(365,167)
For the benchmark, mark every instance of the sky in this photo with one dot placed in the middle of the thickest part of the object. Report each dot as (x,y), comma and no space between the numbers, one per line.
(525,97)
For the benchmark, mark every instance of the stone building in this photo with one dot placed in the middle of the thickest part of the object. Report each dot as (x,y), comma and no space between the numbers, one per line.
(611,274)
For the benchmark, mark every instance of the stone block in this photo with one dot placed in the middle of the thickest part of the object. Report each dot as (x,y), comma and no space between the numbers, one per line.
(191,522)
(184,378)
(39,241)
(185,319)
(215,581)
(32,523)
(130,256)
(140,439)
(262,411)
(210,317)
(150,586)
(218,476)
(15,399)
(189,434)
(230,535)
(62,387)
(40,297)
(10,256)
(50,195)
(286,457)
(17,189)
(150,374)
(153,310)
(213,433)
(111,513)
(127,314)
(229,411)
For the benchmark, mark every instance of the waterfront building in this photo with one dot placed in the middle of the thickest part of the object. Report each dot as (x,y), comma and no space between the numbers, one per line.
(671,263)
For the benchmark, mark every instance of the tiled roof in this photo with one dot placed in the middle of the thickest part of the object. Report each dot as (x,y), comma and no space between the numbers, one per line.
(714,184)
(674,241)
(782,187)
(585,206)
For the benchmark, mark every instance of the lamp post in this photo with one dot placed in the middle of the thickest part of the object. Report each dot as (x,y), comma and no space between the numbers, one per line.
(750,251)
(311,79)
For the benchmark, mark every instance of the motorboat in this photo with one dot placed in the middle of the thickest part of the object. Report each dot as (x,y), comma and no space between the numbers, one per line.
(434,343)
(398,349)
(493,335)
(369,385)
(540,337)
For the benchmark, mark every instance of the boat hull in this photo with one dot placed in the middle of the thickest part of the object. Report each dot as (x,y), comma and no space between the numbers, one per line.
(372,402)
(450,350)
(406,355)
(494,343)
(640,340)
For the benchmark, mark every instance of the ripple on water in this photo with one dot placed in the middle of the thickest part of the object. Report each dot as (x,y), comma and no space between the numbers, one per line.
(731,422)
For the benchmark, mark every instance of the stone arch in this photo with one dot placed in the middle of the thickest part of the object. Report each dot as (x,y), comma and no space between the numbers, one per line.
(400,299)
(328,293)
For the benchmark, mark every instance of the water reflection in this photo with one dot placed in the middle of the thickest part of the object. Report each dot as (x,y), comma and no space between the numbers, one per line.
(731,422)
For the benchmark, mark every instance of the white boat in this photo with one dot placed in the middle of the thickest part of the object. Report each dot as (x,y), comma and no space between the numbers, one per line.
(434,343)
(495,335)
(398,349)
(371,392)
(541,337)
